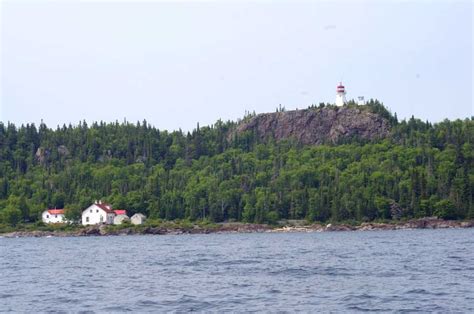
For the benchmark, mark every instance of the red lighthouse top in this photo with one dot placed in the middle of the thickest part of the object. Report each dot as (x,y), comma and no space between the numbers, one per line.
(340,88)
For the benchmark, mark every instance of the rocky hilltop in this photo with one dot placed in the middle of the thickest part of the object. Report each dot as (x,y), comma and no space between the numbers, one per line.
(318,125)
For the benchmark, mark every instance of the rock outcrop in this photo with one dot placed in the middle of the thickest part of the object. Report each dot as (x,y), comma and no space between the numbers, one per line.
(42,154)
(422,223)
(63,151)
(318,126)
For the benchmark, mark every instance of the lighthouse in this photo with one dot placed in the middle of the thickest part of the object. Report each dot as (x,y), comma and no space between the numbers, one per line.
(340,94)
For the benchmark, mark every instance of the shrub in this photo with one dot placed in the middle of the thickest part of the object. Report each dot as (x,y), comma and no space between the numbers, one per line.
(445,209)
(12,216)
(272,217)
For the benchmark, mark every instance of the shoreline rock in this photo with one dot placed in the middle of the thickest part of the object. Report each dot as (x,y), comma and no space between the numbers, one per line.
(225,228)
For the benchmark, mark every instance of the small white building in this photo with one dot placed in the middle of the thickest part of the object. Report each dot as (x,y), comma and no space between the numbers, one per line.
(138,219)
(98,213)
(120,219)
(51,216)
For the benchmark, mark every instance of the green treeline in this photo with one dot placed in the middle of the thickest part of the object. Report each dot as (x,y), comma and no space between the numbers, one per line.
(422,169)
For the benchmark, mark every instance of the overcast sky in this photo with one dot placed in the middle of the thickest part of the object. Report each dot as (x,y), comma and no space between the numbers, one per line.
(176,64)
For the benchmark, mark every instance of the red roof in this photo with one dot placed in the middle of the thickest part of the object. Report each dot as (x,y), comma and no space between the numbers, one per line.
(105,207)
(56,211)
(120,212)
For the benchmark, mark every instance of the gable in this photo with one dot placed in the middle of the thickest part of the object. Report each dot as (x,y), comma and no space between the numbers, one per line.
(94,209)
(105,207)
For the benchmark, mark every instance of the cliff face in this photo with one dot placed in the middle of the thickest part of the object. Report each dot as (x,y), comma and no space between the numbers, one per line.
(318,126)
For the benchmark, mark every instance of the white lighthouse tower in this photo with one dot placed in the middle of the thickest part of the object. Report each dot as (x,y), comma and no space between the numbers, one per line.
(340,95)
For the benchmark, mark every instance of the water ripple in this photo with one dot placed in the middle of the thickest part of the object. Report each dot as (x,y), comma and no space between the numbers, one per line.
(381,271)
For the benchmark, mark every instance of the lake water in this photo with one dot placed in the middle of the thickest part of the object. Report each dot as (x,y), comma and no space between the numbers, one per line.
(407,270)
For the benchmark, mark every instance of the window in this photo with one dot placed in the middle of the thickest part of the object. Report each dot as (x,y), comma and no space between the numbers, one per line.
(91,210)
(101,218)
(47,216)
(55,216)
(96,210)
(87,219)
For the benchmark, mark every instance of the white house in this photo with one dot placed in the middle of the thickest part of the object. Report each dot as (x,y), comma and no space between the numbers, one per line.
(51,216)
(138,219)
(98,213)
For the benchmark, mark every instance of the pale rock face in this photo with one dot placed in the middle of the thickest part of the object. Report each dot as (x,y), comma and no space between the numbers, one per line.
(62,150)
(317,126)
(42,154)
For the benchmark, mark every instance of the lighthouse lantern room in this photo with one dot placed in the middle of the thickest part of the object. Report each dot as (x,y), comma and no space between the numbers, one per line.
(340,95)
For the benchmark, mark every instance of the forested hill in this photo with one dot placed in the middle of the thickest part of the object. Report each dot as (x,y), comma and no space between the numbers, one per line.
(362,169)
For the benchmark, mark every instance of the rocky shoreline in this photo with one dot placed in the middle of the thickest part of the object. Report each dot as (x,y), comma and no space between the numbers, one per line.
(423,223)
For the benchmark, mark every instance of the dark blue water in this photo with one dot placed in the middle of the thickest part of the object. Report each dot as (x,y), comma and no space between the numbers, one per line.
(410,270)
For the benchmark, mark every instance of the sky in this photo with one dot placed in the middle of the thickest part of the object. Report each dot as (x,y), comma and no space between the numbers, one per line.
(179,63)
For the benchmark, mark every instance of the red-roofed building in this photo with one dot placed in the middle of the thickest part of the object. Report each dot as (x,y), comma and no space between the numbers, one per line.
(98,213)
(56,211)
(120,212)
(53,216)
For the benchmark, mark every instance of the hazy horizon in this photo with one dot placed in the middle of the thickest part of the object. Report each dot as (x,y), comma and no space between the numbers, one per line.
(176,64)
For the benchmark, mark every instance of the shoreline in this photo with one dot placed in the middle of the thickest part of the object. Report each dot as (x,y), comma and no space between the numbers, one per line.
(225,228)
